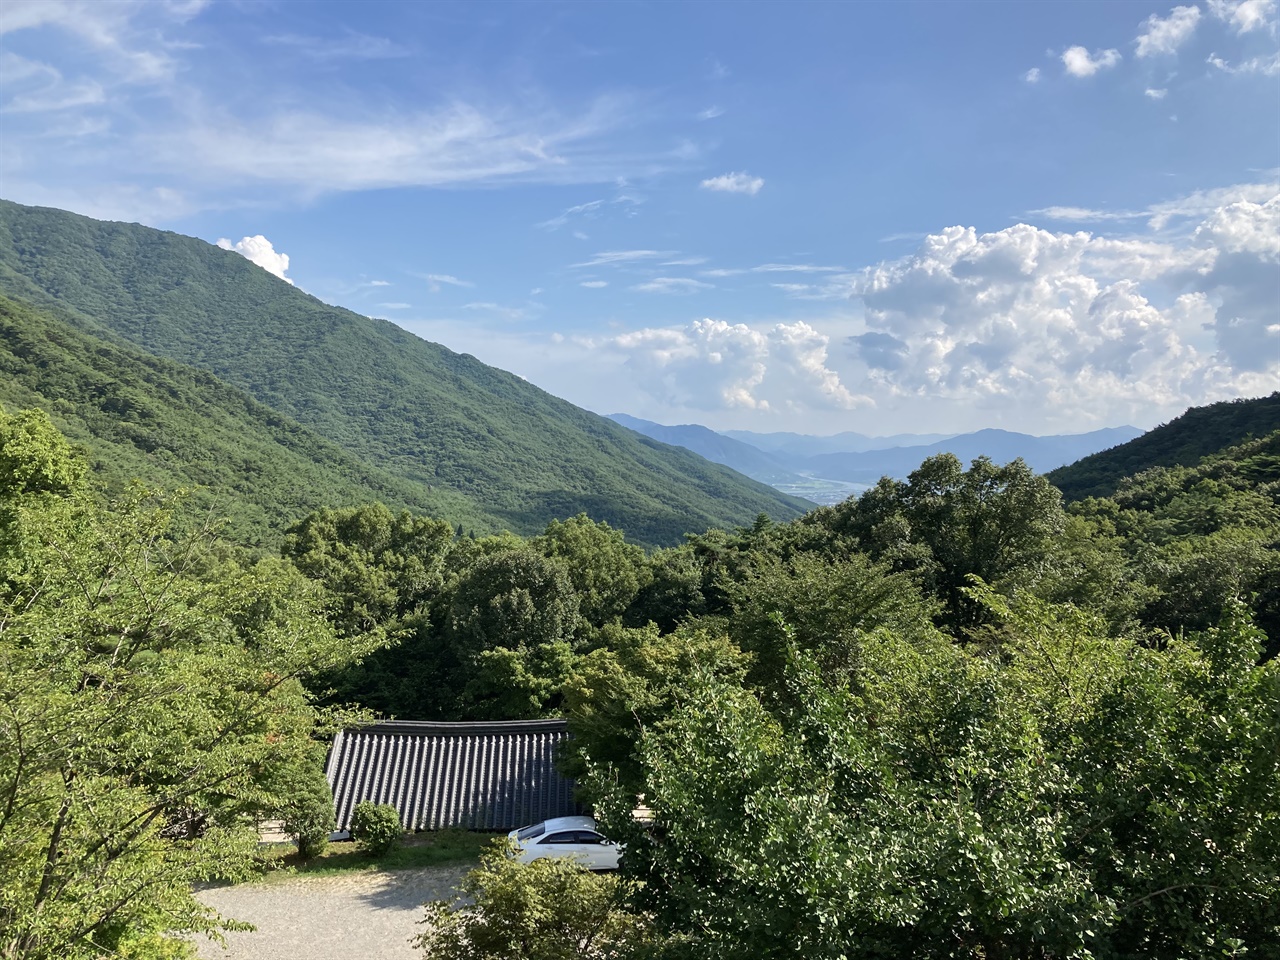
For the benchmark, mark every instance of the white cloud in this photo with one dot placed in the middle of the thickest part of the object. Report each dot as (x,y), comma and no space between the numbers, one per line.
(722,272)
(713,365)
(258,249)
(498,310)
(1032,75)
(579,210)
(711,113)
(353,45)
(594,284)
(1244,15)
(436,280)
(1265,66)
(1161,36)
(794,268)
(1080,63)
(734,183)
(396,306)
(108,30)
(681,285)
(1195,205)
(379,283)
(683,262)
(1049,322)
(609,257)
(1156,94)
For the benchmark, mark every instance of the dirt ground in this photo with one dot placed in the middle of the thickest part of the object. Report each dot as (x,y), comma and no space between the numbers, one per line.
(369,915)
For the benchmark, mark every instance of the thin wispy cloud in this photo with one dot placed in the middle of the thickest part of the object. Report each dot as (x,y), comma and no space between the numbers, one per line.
(594,284)
(435,281)
(396,306)
(1156,94)
(609,257)
(1263,66)
(794,268)
(1195,205)
(498,310)
(683,262)
(734,183)
(711,113)
(1032,75)
(351,46)
(676,285)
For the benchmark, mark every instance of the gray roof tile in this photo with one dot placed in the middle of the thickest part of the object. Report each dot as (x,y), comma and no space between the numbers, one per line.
(481,776)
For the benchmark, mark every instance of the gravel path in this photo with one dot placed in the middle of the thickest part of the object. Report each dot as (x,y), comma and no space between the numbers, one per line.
(357,916)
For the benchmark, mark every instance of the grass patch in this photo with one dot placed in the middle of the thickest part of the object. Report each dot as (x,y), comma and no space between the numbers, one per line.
(416,850)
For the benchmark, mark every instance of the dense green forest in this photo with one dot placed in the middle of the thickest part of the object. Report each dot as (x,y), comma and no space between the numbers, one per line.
(413,409)
(173,426)
(950,718)
(1182,442)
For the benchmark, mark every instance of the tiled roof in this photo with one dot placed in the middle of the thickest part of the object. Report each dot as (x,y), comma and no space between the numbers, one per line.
(481,776)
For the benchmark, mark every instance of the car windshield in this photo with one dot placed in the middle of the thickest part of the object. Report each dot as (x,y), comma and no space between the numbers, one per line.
(528,833)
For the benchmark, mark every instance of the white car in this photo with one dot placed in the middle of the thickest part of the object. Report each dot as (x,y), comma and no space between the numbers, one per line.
(575,837)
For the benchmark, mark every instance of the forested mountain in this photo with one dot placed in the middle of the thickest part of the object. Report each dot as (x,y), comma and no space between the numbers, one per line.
(1040,453)
(1183,441)
(716,447)
(169,425)
(808,445)
(830,469)
(407,406)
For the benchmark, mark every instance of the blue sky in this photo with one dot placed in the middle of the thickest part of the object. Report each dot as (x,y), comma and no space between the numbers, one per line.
(931,217)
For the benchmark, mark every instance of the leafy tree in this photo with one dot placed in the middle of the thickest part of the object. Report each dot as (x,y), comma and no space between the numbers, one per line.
(949,524)
(550,909)
(308,815)
(1062,793)
(604,569)
(149,703)
(635,681)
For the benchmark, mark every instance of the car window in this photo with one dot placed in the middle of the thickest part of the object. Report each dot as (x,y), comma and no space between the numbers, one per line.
(586,836)
(566,837)
(528,833)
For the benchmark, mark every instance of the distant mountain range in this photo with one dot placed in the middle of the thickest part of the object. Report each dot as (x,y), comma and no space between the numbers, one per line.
(403,420)
(827,469)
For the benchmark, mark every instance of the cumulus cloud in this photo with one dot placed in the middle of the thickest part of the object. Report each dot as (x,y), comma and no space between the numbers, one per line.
(1032,75)
(714,364)
(1080,63)
(259,250)
(594,284)
(1167,34)
(1072,321)
(1244,15)
(1156,94)
(734,183)
(681,285)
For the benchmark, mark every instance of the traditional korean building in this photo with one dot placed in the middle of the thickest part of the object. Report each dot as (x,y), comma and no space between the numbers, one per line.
(478,776)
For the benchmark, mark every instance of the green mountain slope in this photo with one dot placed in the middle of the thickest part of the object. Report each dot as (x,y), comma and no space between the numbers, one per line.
(411,407)
(142,417)
(1182,442)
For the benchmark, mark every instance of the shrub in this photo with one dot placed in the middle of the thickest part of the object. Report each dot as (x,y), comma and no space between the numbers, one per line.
(308,817)
(546,910)
(375,827)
